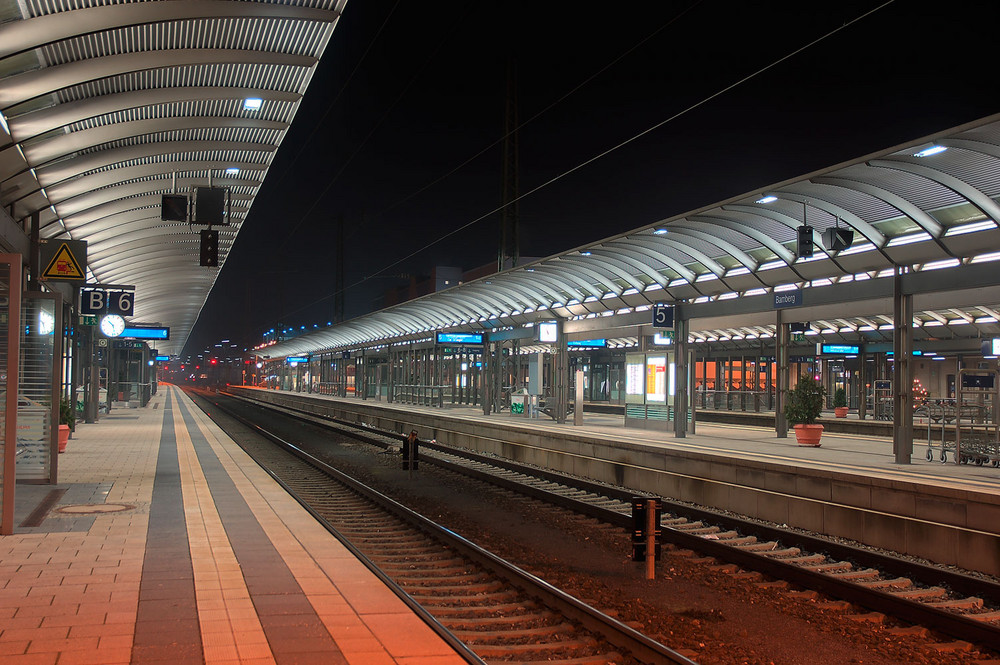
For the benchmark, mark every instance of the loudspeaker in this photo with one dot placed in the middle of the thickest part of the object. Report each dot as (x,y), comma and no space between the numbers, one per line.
(805,244)
(209,248)
(836,239)
(210,205)
(174,208)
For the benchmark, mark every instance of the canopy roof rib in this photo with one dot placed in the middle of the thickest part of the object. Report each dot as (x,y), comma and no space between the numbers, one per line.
(107,103)
(901,208)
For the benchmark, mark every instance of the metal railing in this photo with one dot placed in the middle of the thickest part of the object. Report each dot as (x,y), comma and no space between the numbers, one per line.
(417,394)
(734,400)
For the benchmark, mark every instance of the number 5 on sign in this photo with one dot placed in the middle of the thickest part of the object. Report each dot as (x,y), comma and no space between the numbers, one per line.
(663,315)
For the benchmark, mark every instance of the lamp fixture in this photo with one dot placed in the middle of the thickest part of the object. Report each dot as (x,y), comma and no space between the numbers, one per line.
(933,150)
(770,198)
(252,103)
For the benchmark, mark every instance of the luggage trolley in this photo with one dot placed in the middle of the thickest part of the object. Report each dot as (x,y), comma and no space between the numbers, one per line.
(939,412)
(976,412)
(882,399)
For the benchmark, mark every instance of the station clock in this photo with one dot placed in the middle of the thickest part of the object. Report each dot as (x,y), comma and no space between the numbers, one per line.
(112,325)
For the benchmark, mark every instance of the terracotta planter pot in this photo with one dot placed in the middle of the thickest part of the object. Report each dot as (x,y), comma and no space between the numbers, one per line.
(840,411)
(63,437)
(808,435)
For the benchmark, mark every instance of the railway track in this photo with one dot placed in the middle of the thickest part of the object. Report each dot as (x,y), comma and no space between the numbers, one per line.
(958,605)
(490,610)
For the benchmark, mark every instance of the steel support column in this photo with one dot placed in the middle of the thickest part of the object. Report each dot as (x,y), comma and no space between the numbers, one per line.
(781,357)
(680,375)
(862,385)
(489,365)
(560,378)
(902,371)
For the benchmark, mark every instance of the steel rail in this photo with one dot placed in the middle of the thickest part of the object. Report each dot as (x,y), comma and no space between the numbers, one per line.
(955,625)
(615,632)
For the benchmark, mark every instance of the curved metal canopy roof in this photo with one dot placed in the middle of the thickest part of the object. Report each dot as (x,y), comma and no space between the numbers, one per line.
(926,205)
(103,106)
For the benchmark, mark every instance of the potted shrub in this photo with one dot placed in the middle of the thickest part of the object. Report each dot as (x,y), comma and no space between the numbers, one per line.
(67,418)
(840,403)
(803,405)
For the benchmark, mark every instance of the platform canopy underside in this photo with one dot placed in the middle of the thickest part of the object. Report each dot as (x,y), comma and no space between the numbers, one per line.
(107,106)
(929,205)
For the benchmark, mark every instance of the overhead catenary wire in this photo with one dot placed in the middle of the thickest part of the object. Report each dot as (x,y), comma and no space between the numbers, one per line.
(603,153)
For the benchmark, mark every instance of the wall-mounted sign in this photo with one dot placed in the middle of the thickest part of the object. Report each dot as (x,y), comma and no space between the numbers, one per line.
(144,332)
(787,299)
(101,301)
(64,260)
(163,359)
(663,315)
(838,349)
(548,332)
(459,338)
(588,343)
(664,338)
(128,344)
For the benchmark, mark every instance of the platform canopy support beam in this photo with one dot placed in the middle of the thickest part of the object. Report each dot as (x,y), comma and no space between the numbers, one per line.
(902,371)
(680,374)
(781,356)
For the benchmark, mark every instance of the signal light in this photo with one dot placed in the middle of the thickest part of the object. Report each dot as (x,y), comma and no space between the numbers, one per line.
(838,239)
(805,244)
(209,248)
(214,361)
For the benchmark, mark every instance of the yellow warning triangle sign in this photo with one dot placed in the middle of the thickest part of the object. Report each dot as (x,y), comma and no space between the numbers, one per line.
(63,266)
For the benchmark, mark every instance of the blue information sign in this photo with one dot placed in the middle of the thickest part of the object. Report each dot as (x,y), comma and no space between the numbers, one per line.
(459,338)
(133,332)
(589,343)
(840,349)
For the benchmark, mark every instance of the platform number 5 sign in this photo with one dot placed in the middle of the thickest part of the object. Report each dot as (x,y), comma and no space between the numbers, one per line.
(663,315)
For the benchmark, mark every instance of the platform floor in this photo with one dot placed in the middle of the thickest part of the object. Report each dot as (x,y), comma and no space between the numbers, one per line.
(165,543)
(851,454)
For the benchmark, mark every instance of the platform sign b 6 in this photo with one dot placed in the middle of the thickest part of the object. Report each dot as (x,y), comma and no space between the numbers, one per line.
(101,301)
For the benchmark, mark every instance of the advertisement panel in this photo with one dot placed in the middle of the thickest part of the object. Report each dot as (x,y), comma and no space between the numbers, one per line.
(656,380)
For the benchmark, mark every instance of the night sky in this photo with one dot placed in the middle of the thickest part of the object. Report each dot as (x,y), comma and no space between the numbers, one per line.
(400,132)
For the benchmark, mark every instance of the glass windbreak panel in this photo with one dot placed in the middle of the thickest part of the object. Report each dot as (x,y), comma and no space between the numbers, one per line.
(635,386)
(34,397)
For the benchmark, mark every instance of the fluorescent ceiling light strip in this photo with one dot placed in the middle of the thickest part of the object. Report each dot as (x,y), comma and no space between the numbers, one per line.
(908,239)
(970,228)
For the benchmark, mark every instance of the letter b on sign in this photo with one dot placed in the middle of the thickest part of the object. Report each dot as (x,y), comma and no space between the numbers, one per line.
(93,302)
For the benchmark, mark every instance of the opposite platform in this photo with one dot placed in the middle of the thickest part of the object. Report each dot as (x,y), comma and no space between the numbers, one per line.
(165,543)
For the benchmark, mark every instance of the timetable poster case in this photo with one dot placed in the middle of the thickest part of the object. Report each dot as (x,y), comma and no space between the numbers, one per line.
(649,388)
(635,385)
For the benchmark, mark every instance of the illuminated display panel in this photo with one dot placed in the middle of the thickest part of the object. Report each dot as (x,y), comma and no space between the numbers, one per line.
(548,332)
(656,380)
(145,333)
(589,343)
(459,338)
(840,349)
(634,385)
